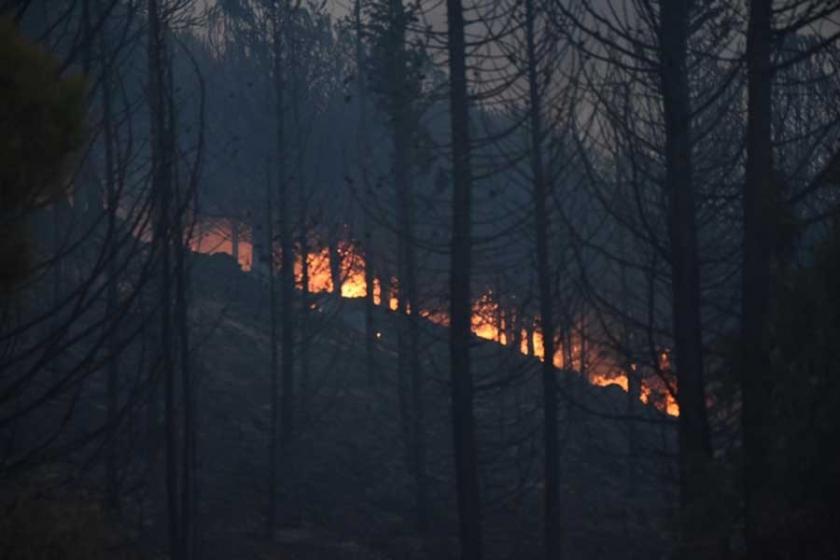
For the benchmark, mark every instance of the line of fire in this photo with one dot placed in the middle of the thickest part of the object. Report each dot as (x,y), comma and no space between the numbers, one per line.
(490,320)
(419,280)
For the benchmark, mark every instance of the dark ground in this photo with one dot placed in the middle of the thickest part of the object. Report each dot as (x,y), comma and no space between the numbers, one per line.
(345,491)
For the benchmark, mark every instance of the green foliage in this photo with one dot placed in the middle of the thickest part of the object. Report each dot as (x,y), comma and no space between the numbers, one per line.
(41,126)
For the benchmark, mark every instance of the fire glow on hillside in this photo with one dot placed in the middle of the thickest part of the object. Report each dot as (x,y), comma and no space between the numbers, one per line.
(489,320)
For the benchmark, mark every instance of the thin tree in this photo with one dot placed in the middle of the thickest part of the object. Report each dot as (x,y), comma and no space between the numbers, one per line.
(551,497)
(162,161)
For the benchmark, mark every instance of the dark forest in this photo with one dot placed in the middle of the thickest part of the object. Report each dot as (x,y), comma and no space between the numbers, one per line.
(419,279)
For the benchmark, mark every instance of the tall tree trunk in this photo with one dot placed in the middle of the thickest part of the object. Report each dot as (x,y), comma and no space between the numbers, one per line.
(403,125)
(387,288)
(274,397)
(303,212)
(287,258)
(370,327)
(694,445)
(463,422)
(551,534)
(529,339)
(181,323)
(305,355)
(162,152)
(634,390)
(111,477)
(410,331)
(234,239)
(755,388)
(187,391)
(335,261)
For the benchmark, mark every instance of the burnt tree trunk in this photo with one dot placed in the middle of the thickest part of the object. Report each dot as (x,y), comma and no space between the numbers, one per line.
(162,152)
(694,445)
(370,327)
(287,273)
(305,302)
(274,397)
(412,333)
(463,422)
(112,251)
(180,320)
(335,261)
(303,224)
(551,496)
(234,239)
(756,271)
(181,317)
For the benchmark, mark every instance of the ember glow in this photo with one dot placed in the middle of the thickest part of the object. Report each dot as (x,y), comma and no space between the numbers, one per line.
(603,380)
(219,239)
(393,295)
(318,272)
(489,319)
(486,321)
(352,272)
(660,398)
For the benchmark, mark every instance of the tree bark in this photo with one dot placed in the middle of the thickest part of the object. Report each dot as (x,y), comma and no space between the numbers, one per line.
(303,225)
(463,428)
(162,151)
(112,482)
(274,398)
(335,261)
(370,327)
(551,496)
(234,239)
(755,388)
(287,274)
(694,445)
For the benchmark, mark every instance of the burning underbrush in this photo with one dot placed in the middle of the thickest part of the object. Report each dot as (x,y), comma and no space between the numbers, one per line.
(345,477)
(344,265)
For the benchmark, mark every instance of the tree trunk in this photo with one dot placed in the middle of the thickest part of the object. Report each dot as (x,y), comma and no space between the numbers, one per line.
(756,272)
(551,497)
(111,478)
(335,261)
(463,428)
(697,540)
(274,404)
(234,239)
(412,332)
(529,340)
(303,231)
(305,381)
(370,327)
(187,394)
(634,390)
(287,273)
(162,151)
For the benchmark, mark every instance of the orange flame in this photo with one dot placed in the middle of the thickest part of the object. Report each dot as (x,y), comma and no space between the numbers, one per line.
(213,241)
(319,278)
(485,321)
(320,275)
(377,292)
(353,283)
(393,299)
(602,380)
(488,321)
